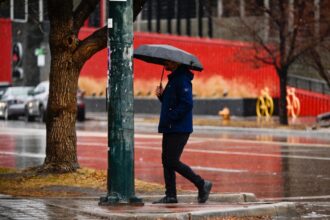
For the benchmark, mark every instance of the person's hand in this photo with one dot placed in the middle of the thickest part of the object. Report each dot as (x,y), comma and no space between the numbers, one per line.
(159,91)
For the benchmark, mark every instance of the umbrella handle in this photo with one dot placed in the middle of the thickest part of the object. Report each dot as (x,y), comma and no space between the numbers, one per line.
(161,79)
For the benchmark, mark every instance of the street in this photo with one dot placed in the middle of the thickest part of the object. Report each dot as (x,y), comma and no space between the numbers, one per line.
(273,166)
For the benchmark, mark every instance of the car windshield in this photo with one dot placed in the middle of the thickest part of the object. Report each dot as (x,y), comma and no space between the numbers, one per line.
(41,88)
(17,91)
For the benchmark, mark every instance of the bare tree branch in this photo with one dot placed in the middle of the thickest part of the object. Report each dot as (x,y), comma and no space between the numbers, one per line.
(294,35)
(312,44)
(98,40)
(137,7)
(319,66)
(91,45)
(260,43)
(83,11)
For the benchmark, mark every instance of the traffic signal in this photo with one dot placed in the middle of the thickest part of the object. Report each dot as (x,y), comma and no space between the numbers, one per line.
(18,71)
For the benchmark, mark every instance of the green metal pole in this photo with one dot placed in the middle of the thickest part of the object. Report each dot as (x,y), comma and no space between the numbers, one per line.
(120,105)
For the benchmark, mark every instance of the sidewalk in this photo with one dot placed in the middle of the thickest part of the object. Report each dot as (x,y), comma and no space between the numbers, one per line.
(88,208)
(218,206)
(205,124)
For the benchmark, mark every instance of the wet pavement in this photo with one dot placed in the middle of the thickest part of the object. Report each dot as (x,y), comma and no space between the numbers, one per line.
(275,165)
(86,208)
(271,166)
(11,208)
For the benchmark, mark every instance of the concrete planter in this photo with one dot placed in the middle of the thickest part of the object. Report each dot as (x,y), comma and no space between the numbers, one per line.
(237,106)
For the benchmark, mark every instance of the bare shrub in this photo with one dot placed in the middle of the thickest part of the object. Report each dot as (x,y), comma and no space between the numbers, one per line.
(217,87)
(92,86)
(212,87)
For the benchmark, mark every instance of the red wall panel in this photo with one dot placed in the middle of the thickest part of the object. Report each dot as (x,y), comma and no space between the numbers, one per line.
(219,57)
(312,103)
(5,51)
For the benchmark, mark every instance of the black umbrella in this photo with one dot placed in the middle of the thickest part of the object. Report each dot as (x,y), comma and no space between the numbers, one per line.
(159,53)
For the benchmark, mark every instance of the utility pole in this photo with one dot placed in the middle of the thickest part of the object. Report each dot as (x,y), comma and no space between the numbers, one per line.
(120,181)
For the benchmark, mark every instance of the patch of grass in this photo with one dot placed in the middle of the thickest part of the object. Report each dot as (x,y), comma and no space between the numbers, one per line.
(211,87)
(244,218)
(4,170)
(84,182)
(258,123)
(262,123)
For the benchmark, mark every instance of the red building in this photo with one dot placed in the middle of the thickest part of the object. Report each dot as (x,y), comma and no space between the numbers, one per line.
(222,59)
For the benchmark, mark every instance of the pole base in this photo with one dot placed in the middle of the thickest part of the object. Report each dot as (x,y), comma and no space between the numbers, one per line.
(114,200)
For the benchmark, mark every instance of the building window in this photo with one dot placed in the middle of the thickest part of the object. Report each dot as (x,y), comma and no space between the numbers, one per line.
(214,8)
(231,8)
(45,10)
(169,9)
(322,18)
(19,10)
(5,9)
(324,10)
(94,18)
(254,7)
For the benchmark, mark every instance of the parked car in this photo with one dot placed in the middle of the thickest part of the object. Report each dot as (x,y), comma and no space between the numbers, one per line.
(3,88)
(12,104)
(36,106)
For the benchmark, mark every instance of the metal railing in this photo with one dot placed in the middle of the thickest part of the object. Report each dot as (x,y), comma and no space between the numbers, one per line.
(313,85)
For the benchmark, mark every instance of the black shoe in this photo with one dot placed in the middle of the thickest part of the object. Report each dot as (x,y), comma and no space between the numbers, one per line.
(203,194)
(166,199)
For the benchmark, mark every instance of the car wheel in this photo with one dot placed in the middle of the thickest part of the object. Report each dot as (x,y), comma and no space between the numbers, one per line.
(6,114)
(42,114)
(28,117)
(14,117)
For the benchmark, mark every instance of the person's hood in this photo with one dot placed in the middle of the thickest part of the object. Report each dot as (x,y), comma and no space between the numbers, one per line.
(182,69)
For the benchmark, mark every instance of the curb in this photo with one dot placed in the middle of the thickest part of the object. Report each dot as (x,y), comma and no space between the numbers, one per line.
(284,209)
(218,198)
(277,209)
(183,198)
(181,211)
(324,133)
(206,129)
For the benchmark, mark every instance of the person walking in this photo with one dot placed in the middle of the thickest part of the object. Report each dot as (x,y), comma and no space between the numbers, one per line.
(175,124)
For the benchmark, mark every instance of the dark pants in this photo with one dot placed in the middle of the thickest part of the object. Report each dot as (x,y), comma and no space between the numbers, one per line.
(172,147)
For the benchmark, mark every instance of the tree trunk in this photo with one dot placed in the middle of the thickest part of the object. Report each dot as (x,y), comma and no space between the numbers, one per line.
(282,102)
(61,149)
(68,55)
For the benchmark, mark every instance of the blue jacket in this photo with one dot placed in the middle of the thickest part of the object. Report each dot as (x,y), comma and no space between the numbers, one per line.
(177,103)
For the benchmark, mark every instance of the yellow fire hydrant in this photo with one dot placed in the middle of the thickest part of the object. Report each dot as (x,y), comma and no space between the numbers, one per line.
(225,113)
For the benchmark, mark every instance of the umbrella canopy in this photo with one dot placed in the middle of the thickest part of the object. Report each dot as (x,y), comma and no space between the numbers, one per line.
(159,53)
